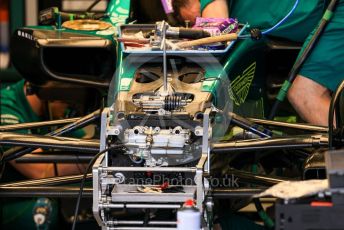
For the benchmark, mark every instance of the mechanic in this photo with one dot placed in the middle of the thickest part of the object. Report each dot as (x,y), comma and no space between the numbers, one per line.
(320,75)
(19,107)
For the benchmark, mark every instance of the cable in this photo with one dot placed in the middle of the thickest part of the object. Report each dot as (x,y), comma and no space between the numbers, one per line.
(302,57)
(331,114)
(283,19)
(77,163)
(2,163)
(268,222)
(84,178)
(267,31)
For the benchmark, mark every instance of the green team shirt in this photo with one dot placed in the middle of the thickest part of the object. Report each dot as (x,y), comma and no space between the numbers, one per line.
(325,63)
(14,109)
(266,13)
(14,106)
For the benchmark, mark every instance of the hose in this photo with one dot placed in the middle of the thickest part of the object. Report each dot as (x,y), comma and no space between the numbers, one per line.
(302,57)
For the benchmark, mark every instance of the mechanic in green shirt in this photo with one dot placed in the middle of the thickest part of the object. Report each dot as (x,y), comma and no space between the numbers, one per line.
(18,107)
(320,75)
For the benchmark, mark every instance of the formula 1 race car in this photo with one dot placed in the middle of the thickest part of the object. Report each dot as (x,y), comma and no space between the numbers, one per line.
(179,116)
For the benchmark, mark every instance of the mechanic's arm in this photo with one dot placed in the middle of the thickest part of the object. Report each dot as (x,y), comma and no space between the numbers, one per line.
(216,9)
(43,170)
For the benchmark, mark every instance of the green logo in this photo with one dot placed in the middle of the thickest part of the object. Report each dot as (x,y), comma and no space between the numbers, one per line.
(240,87)
(118,10)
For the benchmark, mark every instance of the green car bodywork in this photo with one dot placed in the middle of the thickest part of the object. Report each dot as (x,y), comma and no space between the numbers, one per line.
(244,64)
